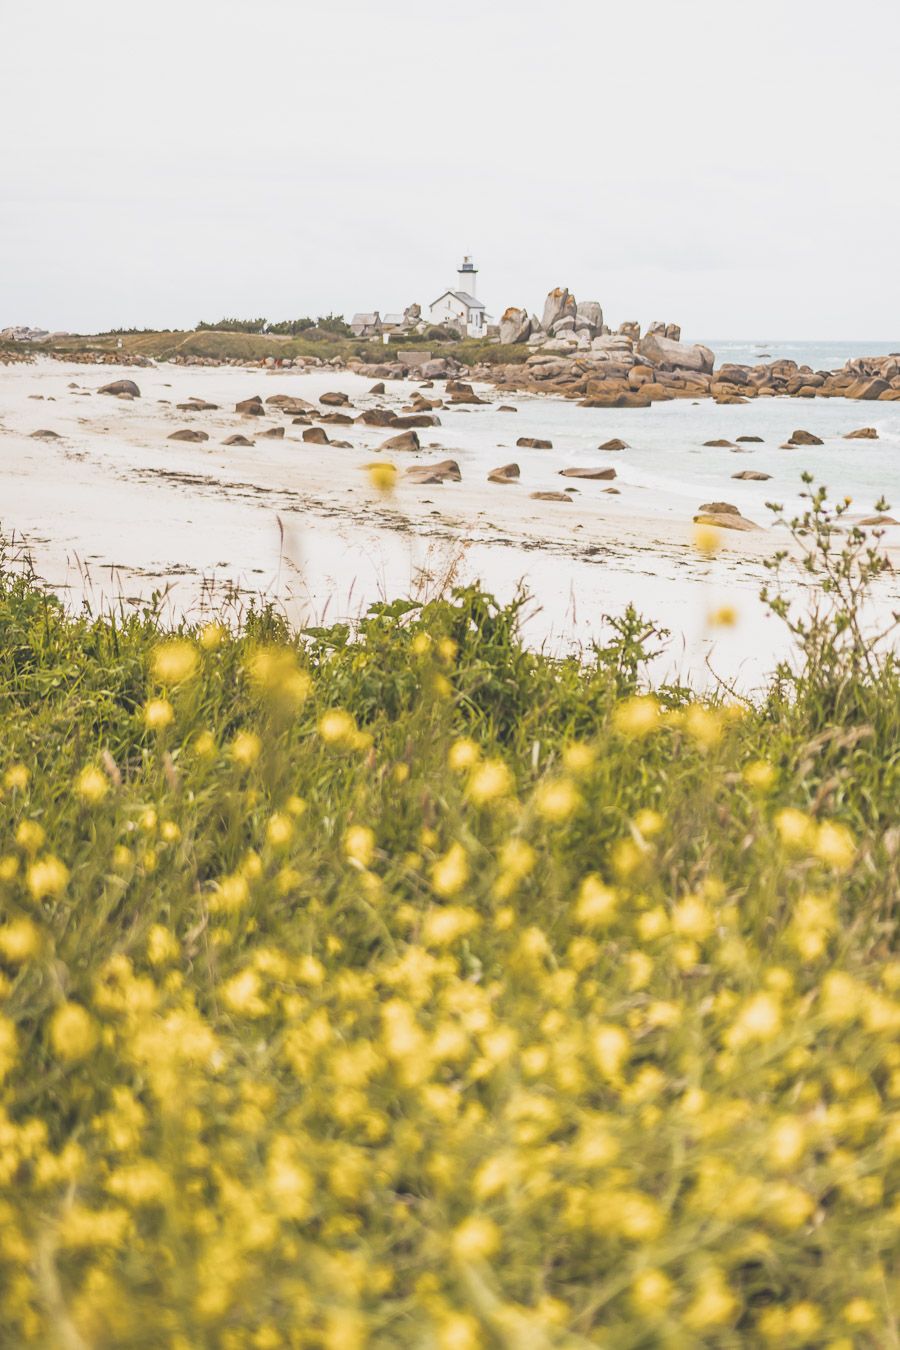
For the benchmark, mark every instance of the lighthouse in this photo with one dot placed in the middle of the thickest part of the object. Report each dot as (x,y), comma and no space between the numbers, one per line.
(467,275)
(461,309)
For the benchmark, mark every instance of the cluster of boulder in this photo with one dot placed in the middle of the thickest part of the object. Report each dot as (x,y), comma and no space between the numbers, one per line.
(623,372)
(570,325)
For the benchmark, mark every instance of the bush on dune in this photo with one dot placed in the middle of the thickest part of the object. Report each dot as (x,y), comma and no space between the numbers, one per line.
(403,987)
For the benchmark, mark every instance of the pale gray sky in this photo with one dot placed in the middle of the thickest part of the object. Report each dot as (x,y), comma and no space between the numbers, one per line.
(733,167)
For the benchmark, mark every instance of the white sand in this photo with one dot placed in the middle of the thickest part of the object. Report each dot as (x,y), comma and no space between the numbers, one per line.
(113,510)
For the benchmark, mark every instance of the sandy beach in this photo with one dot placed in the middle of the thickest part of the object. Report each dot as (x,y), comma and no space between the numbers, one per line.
(111,511)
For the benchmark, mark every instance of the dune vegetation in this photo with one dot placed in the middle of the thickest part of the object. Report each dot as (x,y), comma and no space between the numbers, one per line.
(403,987)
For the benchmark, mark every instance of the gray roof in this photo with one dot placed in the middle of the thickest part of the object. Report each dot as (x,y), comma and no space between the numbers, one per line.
(392,318)
(463,296)
(364,320)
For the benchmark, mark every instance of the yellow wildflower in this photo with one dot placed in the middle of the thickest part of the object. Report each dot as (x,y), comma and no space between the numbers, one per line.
(279,830)
(30,836)
(359,845)
(246,748)
(489,782)
(175,661)
(707,538)
(451,872)
(73,1032)
(47,877)
(476,1238)
(158,714)
(382,476)
(444,926)
(19,941)
(16,777)
(637,716)
(596,904)
(759,774)
(713,1304)
(557,800)
(338,728)
(92,785)
(834,845)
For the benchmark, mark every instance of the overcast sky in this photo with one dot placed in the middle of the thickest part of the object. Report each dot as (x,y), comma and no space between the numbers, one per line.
(733,167)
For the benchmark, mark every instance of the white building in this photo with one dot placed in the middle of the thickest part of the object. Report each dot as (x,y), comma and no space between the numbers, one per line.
(459,308)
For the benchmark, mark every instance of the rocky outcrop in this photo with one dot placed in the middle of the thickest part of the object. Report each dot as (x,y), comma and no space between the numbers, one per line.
(121,387)
(407,440)
(862,434)
(723,515)
(238,440)
(667,354)
(753,475)
(250,407)
(804,438)
(550,497)
(558,305)
(334,399)
(445,471)
(316,436)
(515,326)
(533,443)
(188,434)
(588,473)
(614,444)
(507,473)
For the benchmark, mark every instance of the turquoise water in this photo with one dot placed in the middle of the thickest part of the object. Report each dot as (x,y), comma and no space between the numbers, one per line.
(819,355)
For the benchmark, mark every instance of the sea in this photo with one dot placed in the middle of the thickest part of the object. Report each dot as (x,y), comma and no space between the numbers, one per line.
(818,355)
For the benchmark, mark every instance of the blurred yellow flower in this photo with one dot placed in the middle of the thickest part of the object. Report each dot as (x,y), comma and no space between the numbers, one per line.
(212,635)
(451,872)
(758,1020)
(795,828)
(489,782)
(596,904)
(73,1032)
(246,748)
(359,844)
(444,926)
(556,800)
(158,714)
(707,538)
(726,616)
(92,785)
(205,744)
(30,835)
(703,724)
(382,475)
(175,661)
(19,941)
(279,830)
(713,1303)
(759,774)
(463,755)
(476,1238)
(834,845)
(649,823)
(162,945)
(637,716)
(652,1291)
(47,877)
(16,777)
(337,728)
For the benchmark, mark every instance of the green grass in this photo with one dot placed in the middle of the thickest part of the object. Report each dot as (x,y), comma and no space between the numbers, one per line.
(162,346)
(402,987)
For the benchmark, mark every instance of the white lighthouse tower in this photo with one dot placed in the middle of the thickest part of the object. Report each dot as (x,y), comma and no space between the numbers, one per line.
(468,277)
(460,308)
